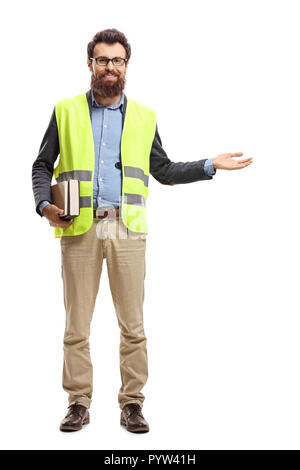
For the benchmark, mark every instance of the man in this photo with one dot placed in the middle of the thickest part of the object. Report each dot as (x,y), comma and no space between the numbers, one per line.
(110,143)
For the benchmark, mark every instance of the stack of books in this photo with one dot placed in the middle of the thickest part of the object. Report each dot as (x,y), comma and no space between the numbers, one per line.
(66,195)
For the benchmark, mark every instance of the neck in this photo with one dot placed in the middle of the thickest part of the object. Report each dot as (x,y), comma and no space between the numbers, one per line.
(107,101)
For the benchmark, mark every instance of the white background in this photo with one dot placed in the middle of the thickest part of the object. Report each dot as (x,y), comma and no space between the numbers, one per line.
(222,285)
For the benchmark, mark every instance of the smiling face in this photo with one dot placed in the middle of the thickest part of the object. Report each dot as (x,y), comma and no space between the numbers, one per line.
(108,81)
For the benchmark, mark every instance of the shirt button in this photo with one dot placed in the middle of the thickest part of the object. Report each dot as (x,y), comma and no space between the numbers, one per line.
(99,197)
(103,143)
(105,125)
(102,161)
(100,179)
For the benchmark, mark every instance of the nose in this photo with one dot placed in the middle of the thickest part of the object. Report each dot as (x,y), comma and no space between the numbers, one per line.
(110,66)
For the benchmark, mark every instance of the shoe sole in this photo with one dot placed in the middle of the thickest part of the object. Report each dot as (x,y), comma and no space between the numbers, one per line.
(74,428)
(128,428)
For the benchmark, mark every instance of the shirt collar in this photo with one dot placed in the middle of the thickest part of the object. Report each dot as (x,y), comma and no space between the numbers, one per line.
(120,104)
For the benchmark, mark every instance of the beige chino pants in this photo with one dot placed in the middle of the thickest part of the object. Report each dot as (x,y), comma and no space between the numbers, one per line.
(81,262)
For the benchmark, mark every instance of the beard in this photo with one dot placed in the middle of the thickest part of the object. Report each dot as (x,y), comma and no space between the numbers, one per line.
(106,88)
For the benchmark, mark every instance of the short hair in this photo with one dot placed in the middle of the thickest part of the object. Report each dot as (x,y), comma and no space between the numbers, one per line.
(110,36)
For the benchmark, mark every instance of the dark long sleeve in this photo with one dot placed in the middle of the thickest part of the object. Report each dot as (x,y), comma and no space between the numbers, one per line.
(43,166)
(161,167)
(168,172)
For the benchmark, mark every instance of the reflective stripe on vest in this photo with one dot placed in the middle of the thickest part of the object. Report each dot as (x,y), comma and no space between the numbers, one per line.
(136,173)
(81,175)
(77,160)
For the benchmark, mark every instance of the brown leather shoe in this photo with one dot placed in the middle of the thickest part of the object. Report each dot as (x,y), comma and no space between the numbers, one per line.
(132,418)
(77,416)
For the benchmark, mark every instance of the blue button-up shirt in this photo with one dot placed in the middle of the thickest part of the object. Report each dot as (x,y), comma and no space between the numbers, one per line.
(107,133)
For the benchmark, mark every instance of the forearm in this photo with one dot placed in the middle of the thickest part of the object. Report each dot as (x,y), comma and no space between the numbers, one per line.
(41,183)
(43,166)
(168,172)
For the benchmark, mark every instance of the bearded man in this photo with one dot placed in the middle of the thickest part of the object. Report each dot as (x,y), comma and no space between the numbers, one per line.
(110,143)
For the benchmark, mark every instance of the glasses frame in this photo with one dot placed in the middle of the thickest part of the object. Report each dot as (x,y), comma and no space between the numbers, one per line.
(94,59)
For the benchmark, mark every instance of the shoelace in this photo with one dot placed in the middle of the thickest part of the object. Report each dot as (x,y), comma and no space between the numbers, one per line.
(135,409)
(75,409)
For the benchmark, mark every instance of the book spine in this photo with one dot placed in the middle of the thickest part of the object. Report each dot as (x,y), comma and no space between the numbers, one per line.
(69,197)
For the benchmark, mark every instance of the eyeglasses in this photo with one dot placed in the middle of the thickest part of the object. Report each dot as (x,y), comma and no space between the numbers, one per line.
(103,61)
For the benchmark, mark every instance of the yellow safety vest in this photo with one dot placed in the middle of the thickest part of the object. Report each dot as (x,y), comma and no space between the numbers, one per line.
(77,159)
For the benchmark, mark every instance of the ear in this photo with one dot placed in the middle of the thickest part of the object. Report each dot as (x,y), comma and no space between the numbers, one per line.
(90,66)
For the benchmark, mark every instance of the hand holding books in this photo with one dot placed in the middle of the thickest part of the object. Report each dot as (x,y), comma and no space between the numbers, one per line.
(65,197)
(53,214)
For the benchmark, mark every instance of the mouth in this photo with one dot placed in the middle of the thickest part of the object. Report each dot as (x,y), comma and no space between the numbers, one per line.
(109,76)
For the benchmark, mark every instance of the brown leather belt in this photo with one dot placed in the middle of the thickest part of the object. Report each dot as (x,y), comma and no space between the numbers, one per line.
(104,213)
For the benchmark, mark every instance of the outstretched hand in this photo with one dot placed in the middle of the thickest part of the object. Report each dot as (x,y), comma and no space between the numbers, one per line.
(225,161)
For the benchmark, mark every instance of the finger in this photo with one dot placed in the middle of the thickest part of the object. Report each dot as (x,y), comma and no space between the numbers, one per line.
(67,222)
(58,220)
(245,160)
(242,166)
(237,154)
(61,224)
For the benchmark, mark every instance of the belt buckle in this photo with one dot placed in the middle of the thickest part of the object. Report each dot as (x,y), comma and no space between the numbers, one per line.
(108,212)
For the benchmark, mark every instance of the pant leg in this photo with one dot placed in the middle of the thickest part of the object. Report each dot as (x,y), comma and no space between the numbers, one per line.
(82,257)
(126,271)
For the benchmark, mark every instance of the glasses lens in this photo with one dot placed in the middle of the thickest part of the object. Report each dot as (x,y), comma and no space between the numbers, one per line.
(101,61)
(118,61)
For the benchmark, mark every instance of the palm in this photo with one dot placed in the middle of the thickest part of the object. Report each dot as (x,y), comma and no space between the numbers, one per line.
(225,161)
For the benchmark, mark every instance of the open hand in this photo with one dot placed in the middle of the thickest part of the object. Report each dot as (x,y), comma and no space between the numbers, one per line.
(224,161)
